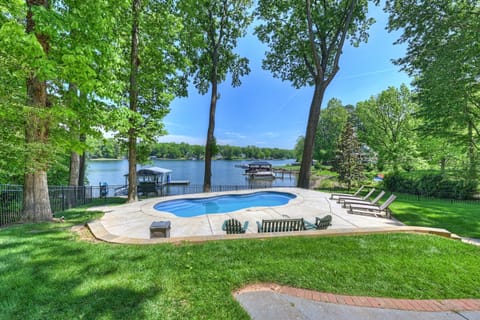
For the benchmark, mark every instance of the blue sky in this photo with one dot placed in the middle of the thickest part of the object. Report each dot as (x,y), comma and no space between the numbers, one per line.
(267,112)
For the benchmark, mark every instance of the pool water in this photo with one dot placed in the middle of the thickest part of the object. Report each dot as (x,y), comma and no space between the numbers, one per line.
(223,204)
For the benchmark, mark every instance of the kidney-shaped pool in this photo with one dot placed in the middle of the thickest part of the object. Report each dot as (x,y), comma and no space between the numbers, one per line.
(193,207)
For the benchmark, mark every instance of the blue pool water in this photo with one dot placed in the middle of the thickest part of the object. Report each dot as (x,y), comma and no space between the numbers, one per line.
(223,204)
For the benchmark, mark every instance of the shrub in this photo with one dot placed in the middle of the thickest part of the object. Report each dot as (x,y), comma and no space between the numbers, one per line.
(431,185)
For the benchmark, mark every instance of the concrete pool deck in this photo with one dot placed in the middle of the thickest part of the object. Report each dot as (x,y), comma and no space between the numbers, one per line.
(129,223)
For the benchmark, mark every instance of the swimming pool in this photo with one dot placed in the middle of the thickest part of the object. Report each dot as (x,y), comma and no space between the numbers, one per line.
(222,204)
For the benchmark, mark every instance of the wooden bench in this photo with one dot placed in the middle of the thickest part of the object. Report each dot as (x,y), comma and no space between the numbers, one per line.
(283,225)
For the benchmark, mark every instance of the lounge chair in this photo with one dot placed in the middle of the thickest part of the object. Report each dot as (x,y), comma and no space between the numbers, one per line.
(346,194)
(364,198)
(378,211)
(366,201)
(323,223)
(233,226)
(284,225)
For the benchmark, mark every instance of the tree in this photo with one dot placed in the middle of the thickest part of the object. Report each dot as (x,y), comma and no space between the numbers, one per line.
(442,55)
(348,159)
(387,126)
(36,202)
(306,40)
(330,127)
(218,25)
(154,78)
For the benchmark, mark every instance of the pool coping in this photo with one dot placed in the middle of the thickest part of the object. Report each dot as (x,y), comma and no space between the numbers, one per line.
(100,233)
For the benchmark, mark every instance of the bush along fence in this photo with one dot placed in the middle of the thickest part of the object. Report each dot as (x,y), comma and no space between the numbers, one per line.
(61,199)
(433,185)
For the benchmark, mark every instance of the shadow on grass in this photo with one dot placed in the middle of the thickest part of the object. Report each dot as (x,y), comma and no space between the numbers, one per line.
(47,275)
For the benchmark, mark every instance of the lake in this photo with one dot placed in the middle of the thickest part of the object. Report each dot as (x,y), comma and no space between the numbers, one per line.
(224,172)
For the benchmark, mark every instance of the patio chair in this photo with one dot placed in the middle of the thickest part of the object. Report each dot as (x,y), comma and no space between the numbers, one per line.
(233,226)
(346,194)
(373,210)
(366,201)
(364,198)
(323,223)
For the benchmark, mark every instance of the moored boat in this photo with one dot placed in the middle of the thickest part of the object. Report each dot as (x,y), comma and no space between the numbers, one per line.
(260,170)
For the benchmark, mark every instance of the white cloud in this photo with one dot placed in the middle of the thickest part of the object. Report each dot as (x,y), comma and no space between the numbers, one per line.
(235,135)
(182,138)
(271,134)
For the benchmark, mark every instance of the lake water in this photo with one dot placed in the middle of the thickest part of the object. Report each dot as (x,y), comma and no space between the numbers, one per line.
(224,172)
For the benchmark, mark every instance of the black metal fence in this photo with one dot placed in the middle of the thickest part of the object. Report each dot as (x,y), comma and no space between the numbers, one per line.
(61,199)
(11,200)
(65,197)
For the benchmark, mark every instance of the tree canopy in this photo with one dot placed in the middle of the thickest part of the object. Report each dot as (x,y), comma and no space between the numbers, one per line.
(305,41)
(443,43)
(218,24)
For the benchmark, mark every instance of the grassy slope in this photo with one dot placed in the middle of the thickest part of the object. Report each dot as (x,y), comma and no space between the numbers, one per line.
(47,272)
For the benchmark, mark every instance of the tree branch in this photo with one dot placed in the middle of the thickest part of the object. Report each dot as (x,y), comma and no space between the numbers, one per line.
(316,58)
(339,47)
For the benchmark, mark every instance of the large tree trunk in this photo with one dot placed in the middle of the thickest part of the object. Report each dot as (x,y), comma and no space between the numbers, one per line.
(36,202)
(132,133)
(313,117)
(210,145)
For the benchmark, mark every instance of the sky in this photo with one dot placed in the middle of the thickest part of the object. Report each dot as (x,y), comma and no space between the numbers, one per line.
(268,113)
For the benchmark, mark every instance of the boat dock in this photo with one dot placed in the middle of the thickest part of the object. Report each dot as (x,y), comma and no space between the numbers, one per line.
(284,173)
(178,183)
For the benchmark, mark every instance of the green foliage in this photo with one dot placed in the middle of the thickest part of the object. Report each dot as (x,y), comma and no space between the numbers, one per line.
(218,25)
(305,41)
(442,56)
(110,148)
(299,145)
(160,76)
(330,127)
(387,126)
(438,185)
(294,55)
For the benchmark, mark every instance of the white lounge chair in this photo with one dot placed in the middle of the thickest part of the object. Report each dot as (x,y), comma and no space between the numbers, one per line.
(366,201)
(373,210)
(364,198)
(346,194)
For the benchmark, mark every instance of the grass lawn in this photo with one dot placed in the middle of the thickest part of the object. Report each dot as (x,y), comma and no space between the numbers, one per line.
(462,218)
(48,272)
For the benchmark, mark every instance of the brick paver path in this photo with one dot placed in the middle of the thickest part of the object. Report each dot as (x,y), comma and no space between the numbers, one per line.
(432,305)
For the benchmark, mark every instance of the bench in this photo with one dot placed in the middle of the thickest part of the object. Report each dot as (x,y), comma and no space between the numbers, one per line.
(283,225)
